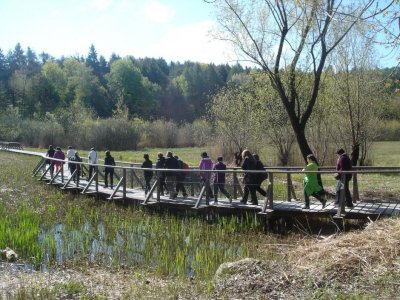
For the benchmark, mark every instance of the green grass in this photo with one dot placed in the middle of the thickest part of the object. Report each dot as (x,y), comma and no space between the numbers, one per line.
(34,216)
(385,153)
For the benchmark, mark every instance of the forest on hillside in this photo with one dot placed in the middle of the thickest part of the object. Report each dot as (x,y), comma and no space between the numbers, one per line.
(127,102)
(150,88)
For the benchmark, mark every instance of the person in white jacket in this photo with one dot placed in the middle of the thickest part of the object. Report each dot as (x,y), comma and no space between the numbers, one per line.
(93,159)
(71,156)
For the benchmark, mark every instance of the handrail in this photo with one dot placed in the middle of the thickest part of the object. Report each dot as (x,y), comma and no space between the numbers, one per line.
(269,199)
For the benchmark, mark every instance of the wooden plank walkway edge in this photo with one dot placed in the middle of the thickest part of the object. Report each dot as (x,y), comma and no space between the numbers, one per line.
(267,207)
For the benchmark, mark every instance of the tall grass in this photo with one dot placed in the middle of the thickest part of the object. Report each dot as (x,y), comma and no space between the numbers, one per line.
(46,226)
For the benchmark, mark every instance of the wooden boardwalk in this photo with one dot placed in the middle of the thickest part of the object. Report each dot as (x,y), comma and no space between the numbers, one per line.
(268,207)
(361,210)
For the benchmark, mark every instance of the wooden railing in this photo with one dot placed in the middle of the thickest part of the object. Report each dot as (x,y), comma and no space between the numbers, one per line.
(130,174)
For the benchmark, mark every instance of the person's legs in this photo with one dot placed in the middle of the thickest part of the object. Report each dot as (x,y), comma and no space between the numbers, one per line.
(245,194)
(321,197)
(216,187)
(171,182)
(260,190)
(90,171)
(106,172)
(306,201)
(147,184)
(112,177)
(338,189)
(349,200)
(253,194)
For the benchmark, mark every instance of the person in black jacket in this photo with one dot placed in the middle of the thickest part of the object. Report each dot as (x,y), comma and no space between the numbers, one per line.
(171,163)
(249,163)
(50,153)
(109,170)
(180,179)
(148,164)
(260,177)
(160,164)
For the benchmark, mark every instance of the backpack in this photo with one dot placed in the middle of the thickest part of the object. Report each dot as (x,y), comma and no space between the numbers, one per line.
(184,166)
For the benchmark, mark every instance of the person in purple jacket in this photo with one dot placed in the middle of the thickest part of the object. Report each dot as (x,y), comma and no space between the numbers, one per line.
(59,154)
(206,164)
(219,180)
(343,163)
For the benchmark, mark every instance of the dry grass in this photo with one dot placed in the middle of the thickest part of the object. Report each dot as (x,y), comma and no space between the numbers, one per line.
(375,249)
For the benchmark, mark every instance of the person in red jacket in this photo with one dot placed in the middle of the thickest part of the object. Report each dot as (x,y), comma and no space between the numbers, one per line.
(343,163)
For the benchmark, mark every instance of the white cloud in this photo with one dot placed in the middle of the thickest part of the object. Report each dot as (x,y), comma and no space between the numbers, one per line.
(191,42)
(101,4)
(157,12)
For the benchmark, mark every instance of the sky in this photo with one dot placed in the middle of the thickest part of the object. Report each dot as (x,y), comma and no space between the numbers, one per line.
(176,30)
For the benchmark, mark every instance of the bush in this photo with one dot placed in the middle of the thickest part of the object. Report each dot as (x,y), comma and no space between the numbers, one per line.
(41,134)
(160,133)
(113,134)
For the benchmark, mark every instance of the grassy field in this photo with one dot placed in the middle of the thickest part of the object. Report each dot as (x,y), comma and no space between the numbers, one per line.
(381,154)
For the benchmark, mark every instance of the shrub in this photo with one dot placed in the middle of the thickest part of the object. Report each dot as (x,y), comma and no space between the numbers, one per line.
(113,134)
(42,133)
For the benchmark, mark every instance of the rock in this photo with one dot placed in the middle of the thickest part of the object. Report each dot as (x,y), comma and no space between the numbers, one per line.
(246,278)
(9,254)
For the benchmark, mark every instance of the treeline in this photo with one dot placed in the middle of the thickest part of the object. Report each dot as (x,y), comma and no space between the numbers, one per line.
(149,88)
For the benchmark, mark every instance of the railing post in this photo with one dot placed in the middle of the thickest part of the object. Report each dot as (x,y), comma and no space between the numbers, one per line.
(124,184)
(131,176)
(62,173)
(235,183)
(38,167)
(158,186)
(356,195)
(271,194)
(289,186)
(78,175)
(97,180)
(192,185)
(207,185)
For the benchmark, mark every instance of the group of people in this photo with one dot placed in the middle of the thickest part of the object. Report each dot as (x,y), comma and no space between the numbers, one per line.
(75,168)
(313,183)
(172,182)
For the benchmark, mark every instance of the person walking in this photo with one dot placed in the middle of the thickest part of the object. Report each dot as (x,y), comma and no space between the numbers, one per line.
(50,153)
(311,184)
(76,167)
(180,178)
(93,159)
(343,163)
(59,154)
(109,162)
(160,164)
(219,180)
(171,163)
(148,174)
(260,177)
(206,164)
(71,156)
(249,164)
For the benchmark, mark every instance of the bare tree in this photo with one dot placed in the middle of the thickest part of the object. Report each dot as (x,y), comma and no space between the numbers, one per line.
(358,92)
(289,38)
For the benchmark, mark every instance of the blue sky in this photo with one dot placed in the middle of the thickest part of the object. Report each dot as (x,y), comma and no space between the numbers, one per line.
(176,30)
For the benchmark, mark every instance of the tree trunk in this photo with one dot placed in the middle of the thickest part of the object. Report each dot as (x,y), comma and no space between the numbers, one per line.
(302,141)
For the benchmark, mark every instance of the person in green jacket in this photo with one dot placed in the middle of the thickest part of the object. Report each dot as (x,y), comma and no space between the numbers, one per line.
(311,186)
